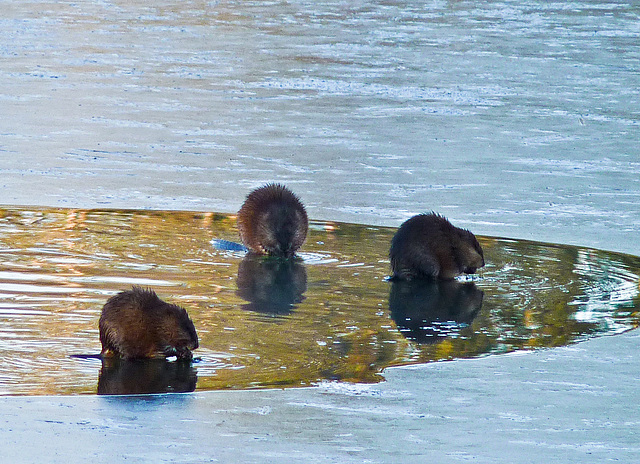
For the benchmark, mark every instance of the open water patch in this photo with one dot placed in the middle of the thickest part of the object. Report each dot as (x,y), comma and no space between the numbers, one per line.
(330,315)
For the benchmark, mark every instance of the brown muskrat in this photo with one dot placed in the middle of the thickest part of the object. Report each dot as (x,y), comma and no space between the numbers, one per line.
(137,324)
(272,221)
(429,246)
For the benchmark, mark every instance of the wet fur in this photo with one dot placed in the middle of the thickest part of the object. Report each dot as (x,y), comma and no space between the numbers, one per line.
(272,221)
(429,246)
(137,324)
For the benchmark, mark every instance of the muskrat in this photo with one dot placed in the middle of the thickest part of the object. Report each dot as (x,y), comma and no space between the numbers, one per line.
(429,246)
(272,221)
(137,324)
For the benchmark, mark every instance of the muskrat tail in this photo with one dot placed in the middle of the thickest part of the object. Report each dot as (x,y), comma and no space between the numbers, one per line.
(86,356)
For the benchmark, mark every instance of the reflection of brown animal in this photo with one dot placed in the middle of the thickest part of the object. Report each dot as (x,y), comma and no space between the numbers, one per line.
(144,376)
(137,324)
(428,245)
(429,311)
(271,286)
(273,221)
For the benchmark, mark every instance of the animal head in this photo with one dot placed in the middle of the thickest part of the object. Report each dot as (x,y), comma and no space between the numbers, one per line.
(283,229)
(467,252)
(179,333)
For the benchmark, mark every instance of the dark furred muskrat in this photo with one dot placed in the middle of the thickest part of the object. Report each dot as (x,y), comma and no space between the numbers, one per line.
(429,246)
(137,324)
(273,221)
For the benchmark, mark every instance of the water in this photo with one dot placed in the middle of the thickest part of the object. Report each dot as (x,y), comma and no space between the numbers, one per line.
(516,118)
(513,118)
(267,323)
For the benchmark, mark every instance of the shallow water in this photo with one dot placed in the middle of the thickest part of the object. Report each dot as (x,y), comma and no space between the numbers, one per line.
(268,323)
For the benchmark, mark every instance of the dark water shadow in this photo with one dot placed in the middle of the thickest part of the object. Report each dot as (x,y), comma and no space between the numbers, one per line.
(146,376)
(426,311)
(271,286)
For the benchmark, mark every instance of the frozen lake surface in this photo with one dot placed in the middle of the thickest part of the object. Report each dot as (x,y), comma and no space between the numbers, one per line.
(515,119)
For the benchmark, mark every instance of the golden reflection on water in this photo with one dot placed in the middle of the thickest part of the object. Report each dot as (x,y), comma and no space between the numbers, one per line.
(267,323)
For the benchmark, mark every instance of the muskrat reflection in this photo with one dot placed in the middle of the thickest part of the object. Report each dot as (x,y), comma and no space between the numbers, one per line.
(142,376)
(271,285)
(427,311)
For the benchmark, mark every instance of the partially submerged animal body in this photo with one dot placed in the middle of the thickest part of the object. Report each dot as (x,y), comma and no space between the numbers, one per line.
(429,246)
